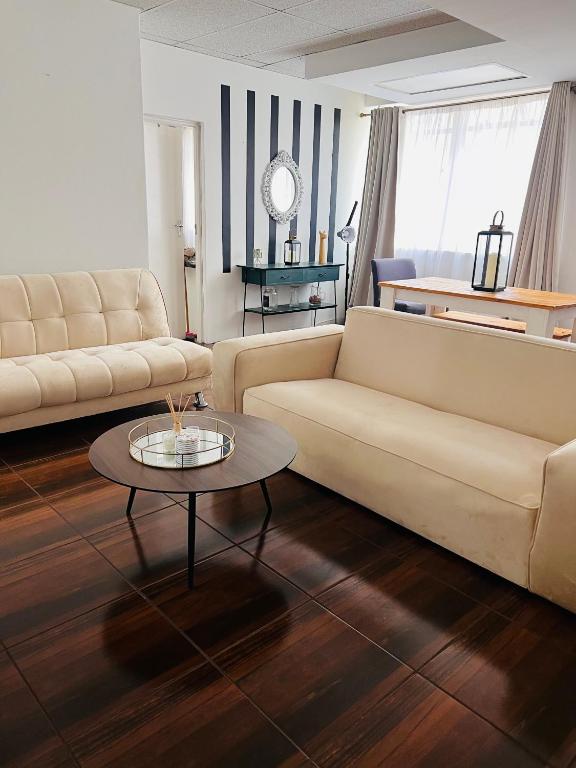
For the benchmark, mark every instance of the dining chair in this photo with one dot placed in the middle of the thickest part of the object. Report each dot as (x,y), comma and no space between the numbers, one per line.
(395,269)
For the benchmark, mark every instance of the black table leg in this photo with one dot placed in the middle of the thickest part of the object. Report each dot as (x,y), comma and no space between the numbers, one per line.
(335,303)
(244,311)
(130,501)
(191,537)
(262,303)
(268,504)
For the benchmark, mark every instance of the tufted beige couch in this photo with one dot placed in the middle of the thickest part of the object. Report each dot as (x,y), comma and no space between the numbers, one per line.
(465,435)
(80,343)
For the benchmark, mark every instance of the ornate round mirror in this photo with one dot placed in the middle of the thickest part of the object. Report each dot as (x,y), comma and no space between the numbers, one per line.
(282,188)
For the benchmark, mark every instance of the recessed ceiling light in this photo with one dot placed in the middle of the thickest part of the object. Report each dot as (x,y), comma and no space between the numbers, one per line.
(455,78)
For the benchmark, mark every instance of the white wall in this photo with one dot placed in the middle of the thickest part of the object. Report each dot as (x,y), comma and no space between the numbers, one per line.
(72,191)
(184,85)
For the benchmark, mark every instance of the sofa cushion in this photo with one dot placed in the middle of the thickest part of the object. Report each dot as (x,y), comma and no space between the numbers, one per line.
(503,464)
(74,310)
(447,478)
(523,383)
(68,376)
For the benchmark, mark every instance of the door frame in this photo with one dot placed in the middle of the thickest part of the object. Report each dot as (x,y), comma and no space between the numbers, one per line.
(199,167)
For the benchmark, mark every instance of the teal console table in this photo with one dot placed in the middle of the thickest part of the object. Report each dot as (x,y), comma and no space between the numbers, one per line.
(263,275)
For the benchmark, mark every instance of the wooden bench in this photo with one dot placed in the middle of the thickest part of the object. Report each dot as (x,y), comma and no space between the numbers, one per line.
(500,323)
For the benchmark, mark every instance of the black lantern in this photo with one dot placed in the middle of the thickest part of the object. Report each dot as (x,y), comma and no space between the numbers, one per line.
(292,249)
(493,251)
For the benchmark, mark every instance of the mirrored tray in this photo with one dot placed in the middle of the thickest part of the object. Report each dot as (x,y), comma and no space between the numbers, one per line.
(152,442)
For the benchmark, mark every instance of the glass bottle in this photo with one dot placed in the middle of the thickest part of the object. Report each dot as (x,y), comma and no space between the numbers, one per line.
(292,249)
(294,296)
(267,299)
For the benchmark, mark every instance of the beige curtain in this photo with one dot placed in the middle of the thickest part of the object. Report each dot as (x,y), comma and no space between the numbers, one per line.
(536,257)
(377,216)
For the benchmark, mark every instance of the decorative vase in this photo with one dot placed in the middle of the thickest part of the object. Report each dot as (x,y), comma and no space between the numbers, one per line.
(322,254)
(316,295)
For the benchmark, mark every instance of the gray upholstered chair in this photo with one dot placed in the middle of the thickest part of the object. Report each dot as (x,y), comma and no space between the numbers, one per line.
(395,269)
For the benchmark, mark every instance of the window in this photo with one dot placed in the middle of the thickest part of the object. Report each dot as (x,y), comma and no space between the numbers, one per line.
(457,166)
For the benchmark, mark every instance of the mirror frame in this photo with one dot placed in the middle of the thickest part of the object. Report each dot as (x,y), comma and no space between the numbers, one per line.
(282,160)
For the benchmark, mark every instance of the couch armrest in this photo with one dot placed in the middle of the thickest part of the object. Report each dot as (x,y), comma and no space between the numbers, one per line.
(553,558)
(306,353)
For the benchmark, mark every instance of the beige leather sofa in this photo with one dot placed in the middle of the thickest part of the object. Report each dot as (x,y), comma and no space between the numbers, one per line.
(80,343)
(462,434)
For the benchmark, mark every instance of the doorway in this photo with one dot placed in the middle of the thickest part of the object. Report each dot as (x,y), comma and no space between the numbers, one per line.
(173,160)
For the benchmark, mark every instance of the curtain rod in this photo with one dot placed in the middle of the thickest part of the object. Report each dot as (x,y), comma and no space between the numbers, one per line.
(463,103)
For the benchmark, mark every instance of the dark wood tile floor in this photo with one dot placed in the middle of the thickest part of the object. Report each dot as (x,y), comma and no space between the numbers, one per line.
(338,639)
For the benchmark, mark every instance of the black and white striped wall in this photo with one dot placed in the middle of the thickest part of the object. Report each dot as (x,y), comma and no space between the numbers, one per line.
(312,136)
(242,110)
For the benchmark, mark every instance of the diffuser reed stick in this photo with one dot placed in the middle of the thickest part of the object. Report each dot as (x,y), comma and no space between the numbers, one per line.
(177,414)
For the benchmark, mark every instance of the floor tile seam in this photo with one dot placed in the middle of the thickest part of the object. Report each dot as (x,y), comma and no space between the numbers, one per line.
(34,491)
(210,525)
(417,668)
(131,588)
(61,624)
(404,558)
(80,537)
(49,457)
(118,523)
(457,637)
(313,599)
(488,608)
(46,497)
(22,561)
(487,720)
(286,526)
(55,729)
(310,599)
(210,660)
(401,558)
(158,582)
(471,597)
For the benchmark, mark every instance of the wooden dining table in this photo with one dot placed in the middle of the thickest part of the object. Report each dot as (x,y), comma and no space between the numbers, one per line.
(542,311)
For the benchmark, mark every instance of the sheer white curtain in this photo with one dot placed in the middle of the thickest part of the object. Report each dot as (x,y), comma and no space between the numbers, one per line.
(458,166)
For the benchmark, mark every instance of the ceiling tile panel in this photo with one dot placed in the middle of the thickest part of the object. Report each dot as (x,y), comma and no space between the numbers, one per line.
(228,57)
(372,32)
(344,14)
(294,67)
(282,5)
(316,45)
(159,39)
(144,5)
(397,26)
(262,34)
(186,19)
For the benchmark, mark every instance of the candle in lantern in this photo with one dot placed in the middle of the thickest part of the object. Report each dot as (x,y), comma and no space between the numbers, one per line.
(491,265)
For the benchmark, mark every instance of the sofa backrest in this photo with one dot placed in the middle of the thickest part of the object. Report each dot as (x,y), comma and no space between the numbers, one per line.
(49,313)
(523,383)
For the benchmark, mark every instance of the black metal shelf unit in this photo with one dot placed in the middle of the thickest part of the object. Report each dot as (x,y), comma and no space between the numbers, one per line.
(263,275)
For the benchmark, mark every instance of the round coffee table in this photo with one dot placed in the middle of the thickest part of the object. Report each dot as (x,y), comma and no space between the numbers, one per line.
(262,450)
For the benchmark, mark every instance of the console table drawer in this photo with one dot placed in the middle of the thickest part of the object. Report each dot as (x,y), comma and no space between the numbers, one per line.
(284,276)
(320,274)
